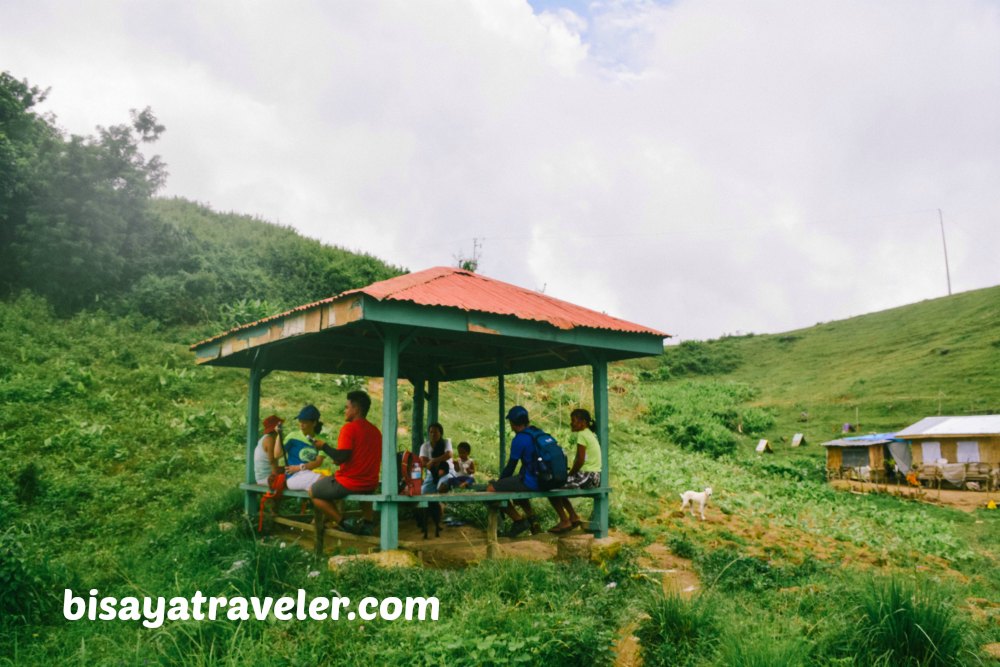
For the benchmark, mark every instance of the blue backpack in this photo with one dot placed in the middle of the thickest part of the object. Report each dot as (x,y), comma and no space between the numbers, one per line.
(550,460)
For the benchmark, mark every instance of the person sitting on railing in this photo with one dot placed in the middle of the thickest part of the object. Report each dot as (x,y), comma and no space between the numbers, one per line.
(435,459)
(359,458)
(302,449)
(522,448)
(585,472)
(268,454)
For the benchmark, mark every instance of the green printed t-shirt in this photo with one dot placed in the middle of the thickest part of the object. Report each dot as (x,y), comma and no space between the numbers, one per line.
(588,439)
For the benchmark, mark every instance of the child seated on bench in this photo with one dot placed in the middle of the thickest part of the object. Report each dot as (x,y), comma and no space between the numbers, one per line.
(465,468)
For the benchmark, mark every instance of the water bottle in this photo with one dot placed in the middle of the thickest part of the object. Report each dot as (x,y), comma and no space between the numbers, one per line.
(416,472)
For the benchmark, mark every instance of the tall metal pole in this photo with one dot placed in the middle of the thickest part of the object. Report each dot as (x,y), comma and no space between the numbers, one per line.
(947,271)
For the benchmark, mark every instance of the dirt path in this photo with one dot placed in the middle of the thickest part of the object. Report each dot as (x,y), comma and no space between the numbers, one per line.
(967,501)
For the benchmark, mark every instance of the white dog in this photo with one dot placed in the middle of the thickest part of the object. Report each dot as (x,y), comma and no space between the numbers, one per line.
(700,497)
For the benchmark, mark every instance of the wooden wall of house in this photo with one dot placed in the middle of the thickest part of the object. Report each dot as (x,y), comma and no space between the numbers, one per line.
(834,457)
(989,449)
(876,457)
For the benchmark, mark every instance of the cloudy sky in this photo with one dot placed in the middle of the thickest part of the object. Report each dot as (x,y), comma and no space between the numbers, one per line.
(701,166)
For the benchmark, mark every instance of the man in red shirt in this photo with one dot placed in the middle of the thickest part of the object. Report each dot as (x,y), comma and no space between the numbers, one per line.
(359,458)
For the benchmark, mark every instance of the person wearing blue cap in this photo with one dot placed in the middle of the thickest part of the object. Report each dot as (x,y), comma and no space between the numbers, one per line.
(302,449)
(522,448)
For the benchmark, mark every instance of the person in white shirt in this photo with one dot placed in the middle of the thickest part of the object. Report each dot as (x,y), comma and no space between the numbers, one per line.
(435,459)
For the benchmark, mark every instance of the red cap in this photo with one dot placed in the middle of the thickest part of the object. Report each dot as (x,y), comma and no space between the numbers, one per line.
(271,423)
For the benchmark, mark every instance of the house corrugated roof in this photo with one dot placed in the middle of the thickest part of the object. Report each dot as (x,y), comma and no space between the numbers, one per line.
(953,426)
(448,287)
(862,440)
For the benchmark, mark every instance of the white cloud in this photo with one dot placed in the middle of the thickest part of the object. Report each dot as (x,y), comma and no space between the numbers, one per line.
(702,166)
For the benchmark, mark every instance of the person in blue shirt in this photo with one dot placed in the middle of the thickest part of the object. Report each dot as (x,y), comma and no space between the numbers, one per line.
(522,449)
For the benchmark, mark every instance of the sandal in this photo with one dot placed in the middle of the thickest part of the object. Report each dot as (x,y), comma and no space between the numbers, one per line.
(556,530)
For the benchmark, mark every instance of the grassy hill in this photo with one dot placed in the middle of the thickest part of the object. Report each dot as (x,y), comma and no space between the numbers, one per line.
(124,458)
(881,371)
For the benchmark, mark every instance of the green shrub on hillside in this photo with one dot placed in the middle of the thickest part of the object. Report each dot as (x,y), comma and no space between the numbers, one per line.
(707,416)
(742,648)
(905,624)
(701,435)
(732,571)
(28,585)
(699,358)
(678,632)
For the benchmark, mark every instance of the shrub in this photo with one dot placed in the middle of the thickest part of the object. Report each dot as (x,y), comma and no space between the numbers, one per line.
(732,571)
(740,650)
(700,358)
(26,583)
(678,632)
(243,311)
(682,547)
(701,435)
(756,420)
(27,485)
(905,624)
(706,416)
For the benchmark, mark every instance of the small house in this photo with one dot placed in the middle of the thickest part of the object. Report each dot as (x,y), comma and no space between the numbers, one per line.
(956,449)
(863,454)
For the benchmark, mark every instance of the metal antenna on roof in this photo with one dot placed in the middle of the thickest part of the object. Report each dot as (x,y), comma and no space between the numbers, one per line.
(471,263)
(947,271)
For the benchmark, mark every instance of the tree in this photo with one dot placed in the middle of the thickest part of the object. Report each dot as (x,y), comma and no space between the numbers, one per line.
(80,228)
(22,131)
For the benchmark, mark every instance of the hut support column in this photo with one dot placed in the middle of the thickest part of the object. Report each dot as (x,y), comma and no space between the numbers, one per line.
(389,536)
(432,402)
(253,418)
(600,383)
(501,422)
(417,427)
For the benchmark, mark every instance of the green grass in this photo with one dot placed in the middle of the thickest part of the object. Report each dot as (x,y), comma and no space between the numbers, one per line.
(884,370)
(124,458)
(903,623)
(678,632)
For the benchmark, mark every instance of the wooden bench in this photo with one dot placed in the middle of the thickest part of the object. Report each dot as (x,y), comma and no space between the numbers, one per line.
(981,473)
(493,502)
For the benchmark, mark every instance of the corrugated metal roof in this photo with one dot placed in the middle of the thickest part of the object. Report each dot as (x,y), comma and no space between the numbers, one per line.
(862,440)
(954,426)
(455,288)
(448,287)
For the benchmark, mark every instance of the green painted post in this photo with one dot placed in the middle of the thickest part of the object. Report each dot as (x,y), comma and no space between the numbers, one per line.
(390,377)
(502,422)
(600,385)
(253,418)
(417,436)
(432,402)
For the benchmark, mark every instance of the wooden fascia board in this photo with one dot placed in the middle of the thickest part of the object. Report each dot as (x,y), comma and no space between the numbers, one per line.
(453,319)
(287,327)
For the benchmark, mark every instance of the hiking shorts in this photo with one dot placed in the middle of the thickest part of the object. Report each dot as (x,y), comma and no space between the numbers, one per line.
(512,483)
(583,480)
(330,489)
